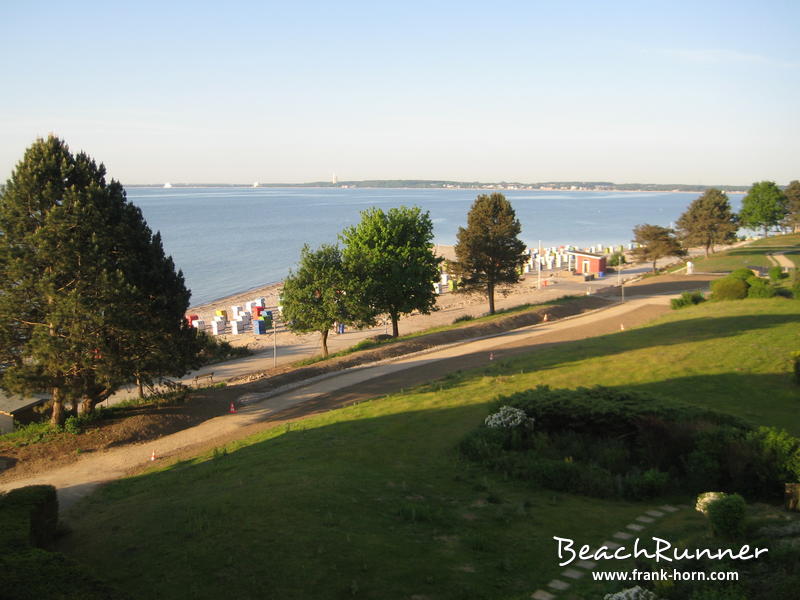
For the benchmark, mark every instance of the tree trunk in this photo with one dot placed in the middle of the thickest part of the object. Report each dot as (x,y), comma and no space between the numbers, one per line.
(86,405)
(709,249)
(140,387)
(395,328)
(323,337)
(654,266)
(490,294)
(57,418)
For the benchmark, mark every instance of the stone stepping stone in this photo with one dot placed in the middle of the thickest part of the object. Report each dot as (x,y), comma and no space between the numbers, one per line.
(586,564)
(542,595)
(611,545)
(572,574)
(634,527)
(644,519)
(557,584)
(621,535)
(655,513)
(668,508)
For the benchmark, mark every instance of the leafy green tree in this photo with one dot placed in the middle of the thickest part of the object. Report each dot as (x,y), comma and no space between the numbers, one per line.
(764,206)
(316,296)
(390,261)
(489,251)
(87,296)
(655,242)
(709,220)
(792,193)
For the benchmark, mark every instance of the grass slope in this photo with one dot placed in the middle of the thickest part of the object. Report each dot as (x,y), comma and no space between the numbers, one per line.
(373,501)
(752,255)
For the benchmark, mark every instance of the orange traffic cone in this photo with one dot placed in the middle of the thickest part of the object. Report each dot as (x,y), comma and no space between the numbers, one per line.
(546,317)
(153,455)
(232,408)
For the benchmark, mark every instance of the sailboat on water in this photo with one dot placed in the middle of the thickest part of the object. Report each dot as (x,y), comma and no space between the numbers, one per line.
(167,185)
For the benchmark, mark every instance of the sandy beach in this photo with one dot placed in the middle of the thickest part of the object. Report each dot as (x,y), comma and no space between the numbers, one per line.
(449,307)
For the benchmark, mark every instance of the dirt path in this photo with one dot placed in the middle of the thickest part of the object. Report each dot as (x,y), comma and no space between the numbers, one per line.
(267,409)
(780,260)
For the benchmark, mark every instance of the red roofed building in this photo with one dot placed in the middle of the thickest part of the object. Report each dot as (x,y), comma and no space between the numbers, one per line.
(585,263)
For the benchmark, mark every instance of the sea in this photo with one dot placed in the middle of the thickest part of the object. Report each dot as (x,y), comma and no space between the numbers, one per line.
(229,240)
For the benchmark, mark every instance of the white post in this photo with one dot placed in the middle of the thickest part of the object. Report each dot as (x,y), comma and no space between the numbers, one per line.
(275,340)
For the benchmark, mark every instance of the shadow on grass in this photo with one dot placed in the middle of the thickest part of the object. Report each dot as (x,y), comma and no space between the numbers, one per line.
(381,503)
(547,355)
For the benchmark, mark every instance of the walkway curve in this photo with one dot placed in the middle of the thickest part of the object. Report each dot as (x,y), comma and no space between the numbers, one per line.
(77,479)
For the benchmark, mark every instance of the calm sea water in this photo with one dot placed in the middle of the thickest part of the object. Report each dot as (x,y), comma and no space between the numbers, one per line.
(228,240)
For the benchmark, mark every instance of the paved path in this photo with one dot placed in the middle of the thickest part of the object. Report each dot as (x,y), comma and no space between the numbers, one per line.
(780,259)
(78,478)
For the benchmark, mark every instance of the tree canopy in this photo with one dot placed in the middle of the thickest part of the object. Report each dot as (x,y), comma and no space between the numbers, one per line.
(390,260)
(763,207)
(709,220)
(315,297)
(88,298)
(792,193)
(655,242)
(488,251)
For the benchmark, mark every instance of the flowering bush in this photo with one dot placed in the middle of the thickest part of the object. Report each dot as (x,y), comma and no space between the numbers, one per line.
(706,498)
(634,593)
(508,417)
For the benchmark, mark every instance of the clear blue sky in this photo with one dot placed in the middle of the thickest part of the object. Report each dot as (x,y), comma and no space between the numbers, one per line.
(689,92)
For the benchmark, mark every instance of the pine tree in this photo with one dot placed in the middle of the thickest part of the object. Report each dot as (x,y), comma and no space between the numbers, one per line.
(656,242)
(87,296)
(764,206)
(709,220)
(792,193)
(315,297)
(488,251)
(390,261)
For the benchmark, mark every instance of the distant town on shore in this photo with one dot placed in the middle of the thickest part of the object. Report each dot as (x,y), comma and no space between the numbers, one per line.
(588,186)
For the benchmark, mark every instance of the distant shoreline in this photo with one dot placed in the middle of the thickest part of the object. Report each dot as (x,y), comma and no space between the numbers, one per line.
(461,186)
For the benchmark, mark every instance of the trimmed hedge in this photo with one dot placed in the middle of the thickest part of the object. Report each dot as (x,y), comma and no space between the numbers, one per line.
(730,288)
(608,442)
(28,522)
(29,516)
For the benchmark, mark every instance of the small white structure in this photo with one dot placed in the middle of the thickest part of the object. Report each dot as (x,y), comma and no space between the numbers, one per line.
(689,267)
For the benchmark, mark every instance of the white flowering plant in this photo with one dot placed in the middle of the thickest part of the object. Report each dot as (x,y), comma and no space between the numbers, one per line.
(508,417)
(707,498)
(634,593)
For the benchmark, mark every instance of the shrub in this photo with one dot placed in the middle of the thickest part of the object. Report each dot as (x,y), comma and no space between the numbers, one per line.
(776,273)
(796,366)
(729,288)
(462,319)
(214,350)
(727,516)
(37,507)
(607,442)
(687,299)
(640,486)
(616,259)
(634,593)
(743,273)
(718,593)
(760,289)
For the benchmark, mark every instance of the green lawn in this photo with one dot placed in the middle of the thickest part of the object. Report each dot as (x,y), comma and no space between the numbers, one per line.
(373,501)
(752,255)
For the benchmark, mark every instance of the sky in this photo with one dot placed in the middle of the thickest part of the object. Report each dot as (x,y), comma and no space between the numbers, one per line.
(671,92)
